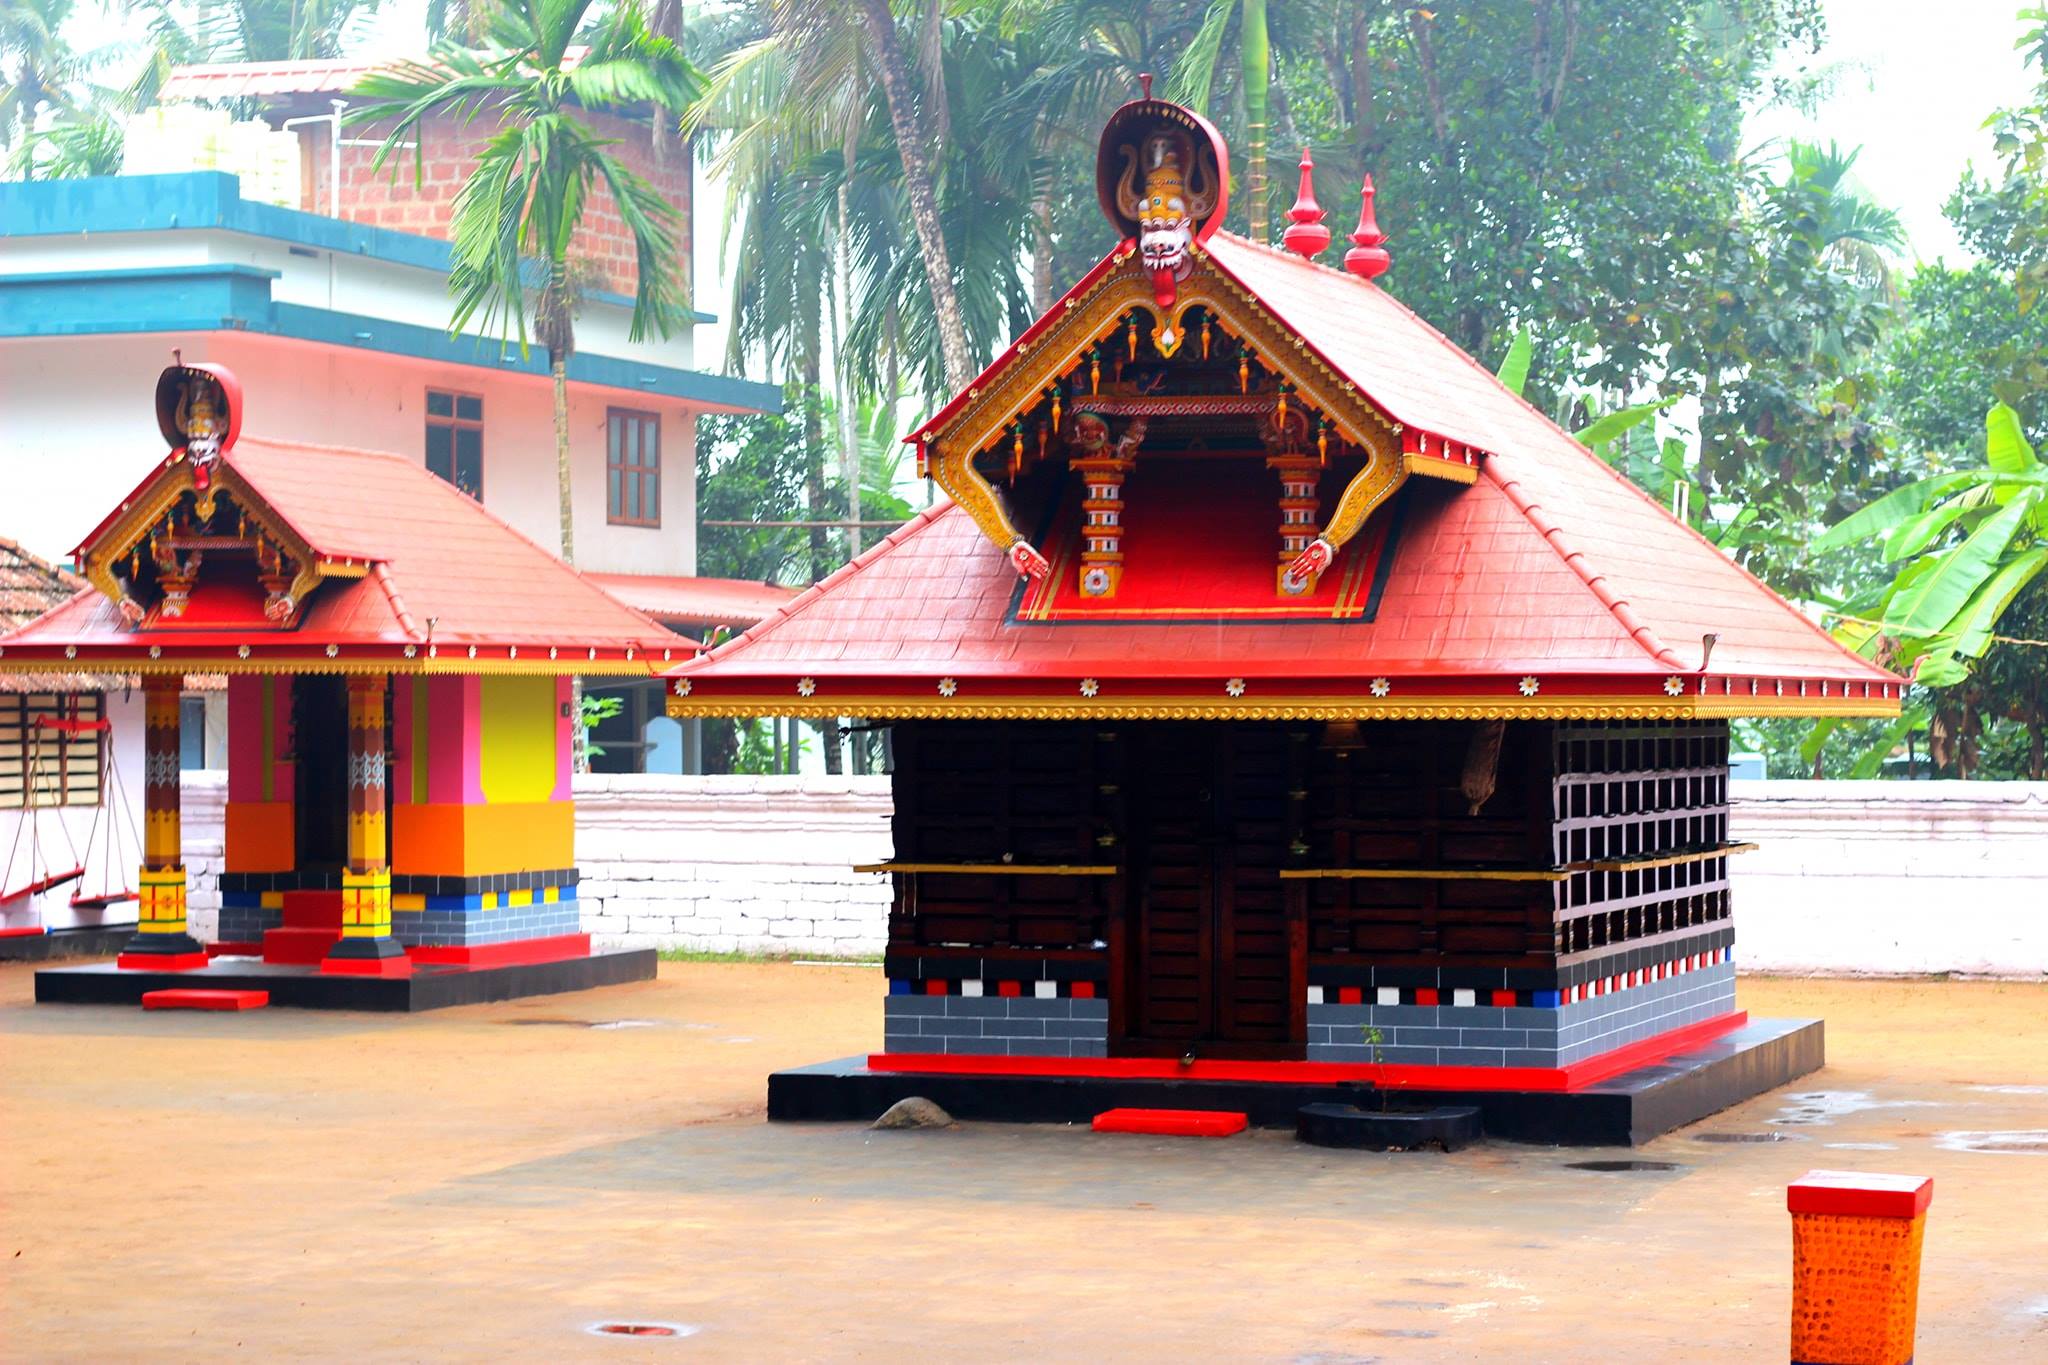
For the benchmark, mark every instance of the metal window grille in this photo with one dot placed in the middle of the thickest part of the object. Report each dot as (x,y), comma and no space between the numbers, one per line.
(64,762)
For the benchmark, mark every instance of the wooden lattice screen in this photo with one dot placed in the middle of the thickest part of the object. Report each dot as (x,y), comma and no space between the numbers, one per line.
(1634,793)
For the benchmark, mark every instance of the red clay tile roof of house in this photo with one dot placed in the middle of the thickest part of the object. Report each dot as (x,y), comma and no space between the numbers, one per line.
(1552,571)
(29,586)
(686,601)
(242,80)
(448,575)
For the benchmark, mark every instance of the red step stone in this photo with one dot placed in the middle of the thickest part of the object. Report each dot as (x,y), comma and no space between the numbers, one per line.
(1171,1122)
(195,998)
(312,925)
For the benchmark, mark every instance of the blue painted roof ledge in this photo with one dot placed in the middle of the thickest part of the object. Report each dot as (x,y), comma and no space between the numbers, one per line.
(232,297)
(211,199)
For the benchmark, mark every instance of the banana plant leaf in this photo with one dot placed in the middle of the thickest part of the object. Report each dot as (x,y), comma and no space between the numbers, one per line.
(2006,443)
(1893,509)
(1514,368)
(1601,430)
(1974,625)
(1942,592)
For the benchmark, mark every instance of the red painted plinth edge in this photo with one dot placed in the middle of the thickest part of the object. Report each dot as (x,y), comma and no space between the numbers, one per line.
(1866,1194)
(25,931)
(1559,1080)
(187,998)
(366,966)
(1171,1122)
(160,962)
(519,953)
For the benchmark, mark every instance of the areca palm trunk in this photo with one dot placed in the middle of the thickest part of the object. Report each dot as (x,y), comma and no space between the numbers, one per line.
(1255,55)
(558,367)
(917,176)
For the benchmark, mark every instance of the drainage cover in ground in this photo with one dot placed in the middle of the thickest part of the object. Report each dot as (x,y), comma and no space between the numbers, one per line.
(1622,1166)
(586,1023)
(1743,1137)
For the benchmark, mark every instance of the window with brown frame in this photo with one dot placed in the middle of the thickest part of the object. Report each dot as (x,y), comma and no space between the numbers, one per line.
(60,758)
(455,440)
(632,468)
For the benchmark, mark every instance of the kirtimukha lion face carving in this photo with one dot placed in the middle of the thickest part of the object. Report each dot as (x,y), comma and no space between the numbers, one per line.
(1166,209)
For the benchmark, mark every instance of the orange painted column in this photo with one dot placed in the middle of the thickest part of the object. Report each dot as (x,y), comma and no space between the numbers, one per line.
(161,942)
(366,947)
(1856,1266)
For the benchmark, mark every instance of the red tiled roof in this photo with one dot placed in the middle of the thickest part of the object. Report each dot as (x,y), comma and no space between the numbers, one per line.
(447,573)
(29,586)
(1550,566)
(688,601)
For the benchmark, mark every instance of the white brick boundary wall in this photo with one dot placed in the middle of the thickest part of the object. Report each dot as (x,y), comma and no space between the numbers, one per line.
(1892,877)
(1852,877)
(734,864)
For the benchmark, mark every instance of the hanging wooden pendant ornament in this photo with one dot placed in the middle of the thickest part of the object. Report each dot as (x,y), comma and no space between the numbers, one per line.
(1205,337)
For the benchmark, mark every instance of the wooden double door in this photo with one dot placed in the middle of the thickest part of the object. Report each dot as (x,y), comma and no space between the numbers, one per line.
(1212,947)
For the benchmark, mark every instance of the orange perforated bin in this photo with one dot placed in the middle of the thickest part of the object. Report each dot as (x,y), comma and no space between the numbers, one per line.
(1856,1266)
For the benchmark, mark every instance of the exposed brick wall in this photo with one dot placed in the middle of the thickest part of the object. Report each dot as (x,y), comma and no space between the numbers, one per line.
(393,198)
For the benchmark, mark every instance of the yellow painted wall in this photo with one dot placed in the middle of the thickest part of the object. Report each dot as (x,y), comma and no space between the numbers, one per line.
(476,841)
(517,761)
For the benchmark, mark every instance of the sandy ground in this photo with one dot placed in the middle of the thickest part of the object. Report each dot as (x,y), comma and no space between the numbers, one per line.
(487,1183)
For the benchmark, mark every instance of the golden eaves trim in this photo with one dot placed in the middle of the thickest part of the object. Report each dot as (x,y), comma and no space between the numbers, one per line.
(1292,708)
(538,667)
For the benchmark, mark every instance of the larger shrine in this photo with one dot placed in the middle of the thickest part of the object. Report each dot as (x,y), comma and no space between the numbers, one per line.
(1281,704)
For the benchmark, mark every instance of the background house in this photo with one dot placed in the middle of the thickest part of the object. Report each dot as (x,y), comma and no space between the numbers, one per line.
(329,297)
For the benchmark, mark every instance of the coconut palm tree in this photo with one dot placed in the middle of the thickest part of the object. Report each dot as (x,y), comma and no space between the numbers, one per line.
(1857,234)
(518,213)
(818,36)
(39,70)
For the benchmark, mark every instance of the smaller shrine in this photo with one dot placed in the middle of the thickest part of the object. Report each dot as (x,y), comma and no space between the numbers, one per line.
(400,832)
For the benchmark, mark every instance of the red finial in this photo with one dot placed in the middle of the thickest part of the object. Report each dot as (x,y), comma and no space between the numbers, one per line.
(1144,85)
(1308,235)
(1369,258)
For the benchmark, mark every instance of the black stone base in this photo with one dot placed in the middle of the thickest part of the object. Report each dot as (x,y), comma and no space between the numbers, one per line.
(1373,1129)
(1629,1109)
(428,988)
(99,940)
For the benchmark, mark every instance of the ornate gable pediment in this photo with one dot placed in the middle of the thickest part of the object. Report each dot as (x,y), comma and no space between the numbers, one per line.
(1212,375)
(196,548)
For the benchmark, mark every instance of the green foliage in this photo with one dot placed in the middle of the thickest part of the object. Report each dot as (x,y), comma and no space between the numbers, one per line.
(80,142)
(594,711)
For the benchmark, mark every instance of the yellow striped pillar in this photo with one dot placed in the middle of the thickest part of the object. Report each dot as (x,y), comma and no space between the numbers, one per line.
(1856,1266)
(366,947)
(161,942)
